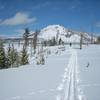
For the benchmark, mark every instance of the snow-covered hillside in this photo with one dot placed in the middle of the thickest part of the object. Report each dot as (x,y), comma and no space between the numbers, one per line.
(65,34)
(60,32)
(52,31)
(65,76)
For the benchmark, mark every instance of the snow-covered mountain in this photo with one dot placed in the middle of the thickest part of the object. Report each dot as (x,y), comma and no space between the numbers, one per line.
(52,31)
(65,34)
(59,31)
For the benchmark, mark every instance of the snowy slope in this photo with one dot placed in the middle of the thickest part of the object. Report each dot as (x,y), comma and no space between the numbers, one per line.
(52,30)
(64,76)
(89,84)
(73,39)
(65,34)
(34,82)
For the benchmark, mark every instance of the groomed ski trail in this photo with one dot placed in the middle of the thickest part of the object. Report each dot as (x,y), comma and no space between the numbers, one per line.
(70,79)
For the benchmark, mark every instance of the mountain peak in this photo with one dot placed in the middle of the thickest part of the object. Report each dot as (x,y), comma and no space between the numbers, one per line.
(65,34)
(52,30)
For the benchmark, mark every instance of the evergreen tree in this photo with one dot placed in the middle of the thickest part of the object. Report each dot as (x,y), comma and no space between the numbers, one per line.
(60,41)
(98,39)
(24,57)
(35,40)
(2,57)
(12,59)
(9,56)
(12,56)
(81,40)
(25,36)
(17,61)
(53,41)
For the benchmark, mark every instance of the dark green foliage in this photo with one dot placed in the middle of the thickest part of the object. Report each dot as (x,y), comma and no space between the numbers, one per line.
(12,56)
(25,36)
(45,43)
(98,39)
(81,40)
(60,41)
(9,56)
(24,57)
(35,40)
(3,59)
(52,42)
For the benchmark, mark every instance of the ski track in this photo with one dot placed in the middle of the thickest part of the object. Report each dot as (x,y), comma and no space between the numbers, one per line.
(68,88)
(70,81)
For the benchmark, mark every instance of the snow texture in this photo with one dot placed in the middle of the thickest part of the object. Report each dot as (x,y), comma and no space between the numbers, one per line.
(68,74)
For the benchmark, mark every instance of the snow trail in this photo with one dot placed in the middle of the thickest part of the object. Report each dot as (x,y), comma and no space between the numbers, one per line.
(70,79)
(70,85)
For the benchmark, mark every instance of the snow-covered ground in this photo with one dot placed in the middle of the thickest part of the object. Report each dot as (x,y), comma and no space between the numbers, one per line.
(89,72)
(72,74)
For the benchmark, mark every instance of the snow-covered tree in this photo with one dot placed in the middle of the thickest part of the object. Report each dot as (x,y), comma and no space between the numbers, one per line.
(12,56)
(40,59)
(17,61)
(9,56)
(3,59)
(57,35)
(24,57)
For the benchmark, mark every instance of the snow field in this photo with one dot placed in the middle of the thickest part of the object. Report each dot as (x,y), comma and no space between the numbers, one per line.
(63,77)
(34,81)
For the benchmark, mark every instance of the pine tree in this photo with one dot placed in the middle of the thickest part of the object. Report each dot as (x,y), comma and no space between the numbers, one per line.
(81,40)
(60,41)
(35,40)
(25,36)
(24,57)
(53,41)
(12,56)
(98,39)
(16,56)
(2,57)
(9,56)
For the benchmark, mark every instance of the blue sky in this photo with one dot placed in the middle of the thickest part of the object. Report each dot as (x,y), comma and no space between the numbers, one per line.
(16,15)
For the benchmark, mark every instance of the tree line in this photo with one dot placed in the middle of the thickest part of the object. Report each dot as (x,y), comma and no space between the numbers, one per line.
(10,57)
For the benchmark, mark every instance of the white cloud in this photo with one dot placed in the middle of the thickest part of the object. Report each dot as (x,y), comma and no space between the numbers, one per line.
(17,19)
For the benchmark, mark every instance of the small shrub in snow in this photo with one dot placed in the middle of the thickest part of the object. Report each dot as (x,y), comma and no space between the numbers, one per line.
(40,59)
